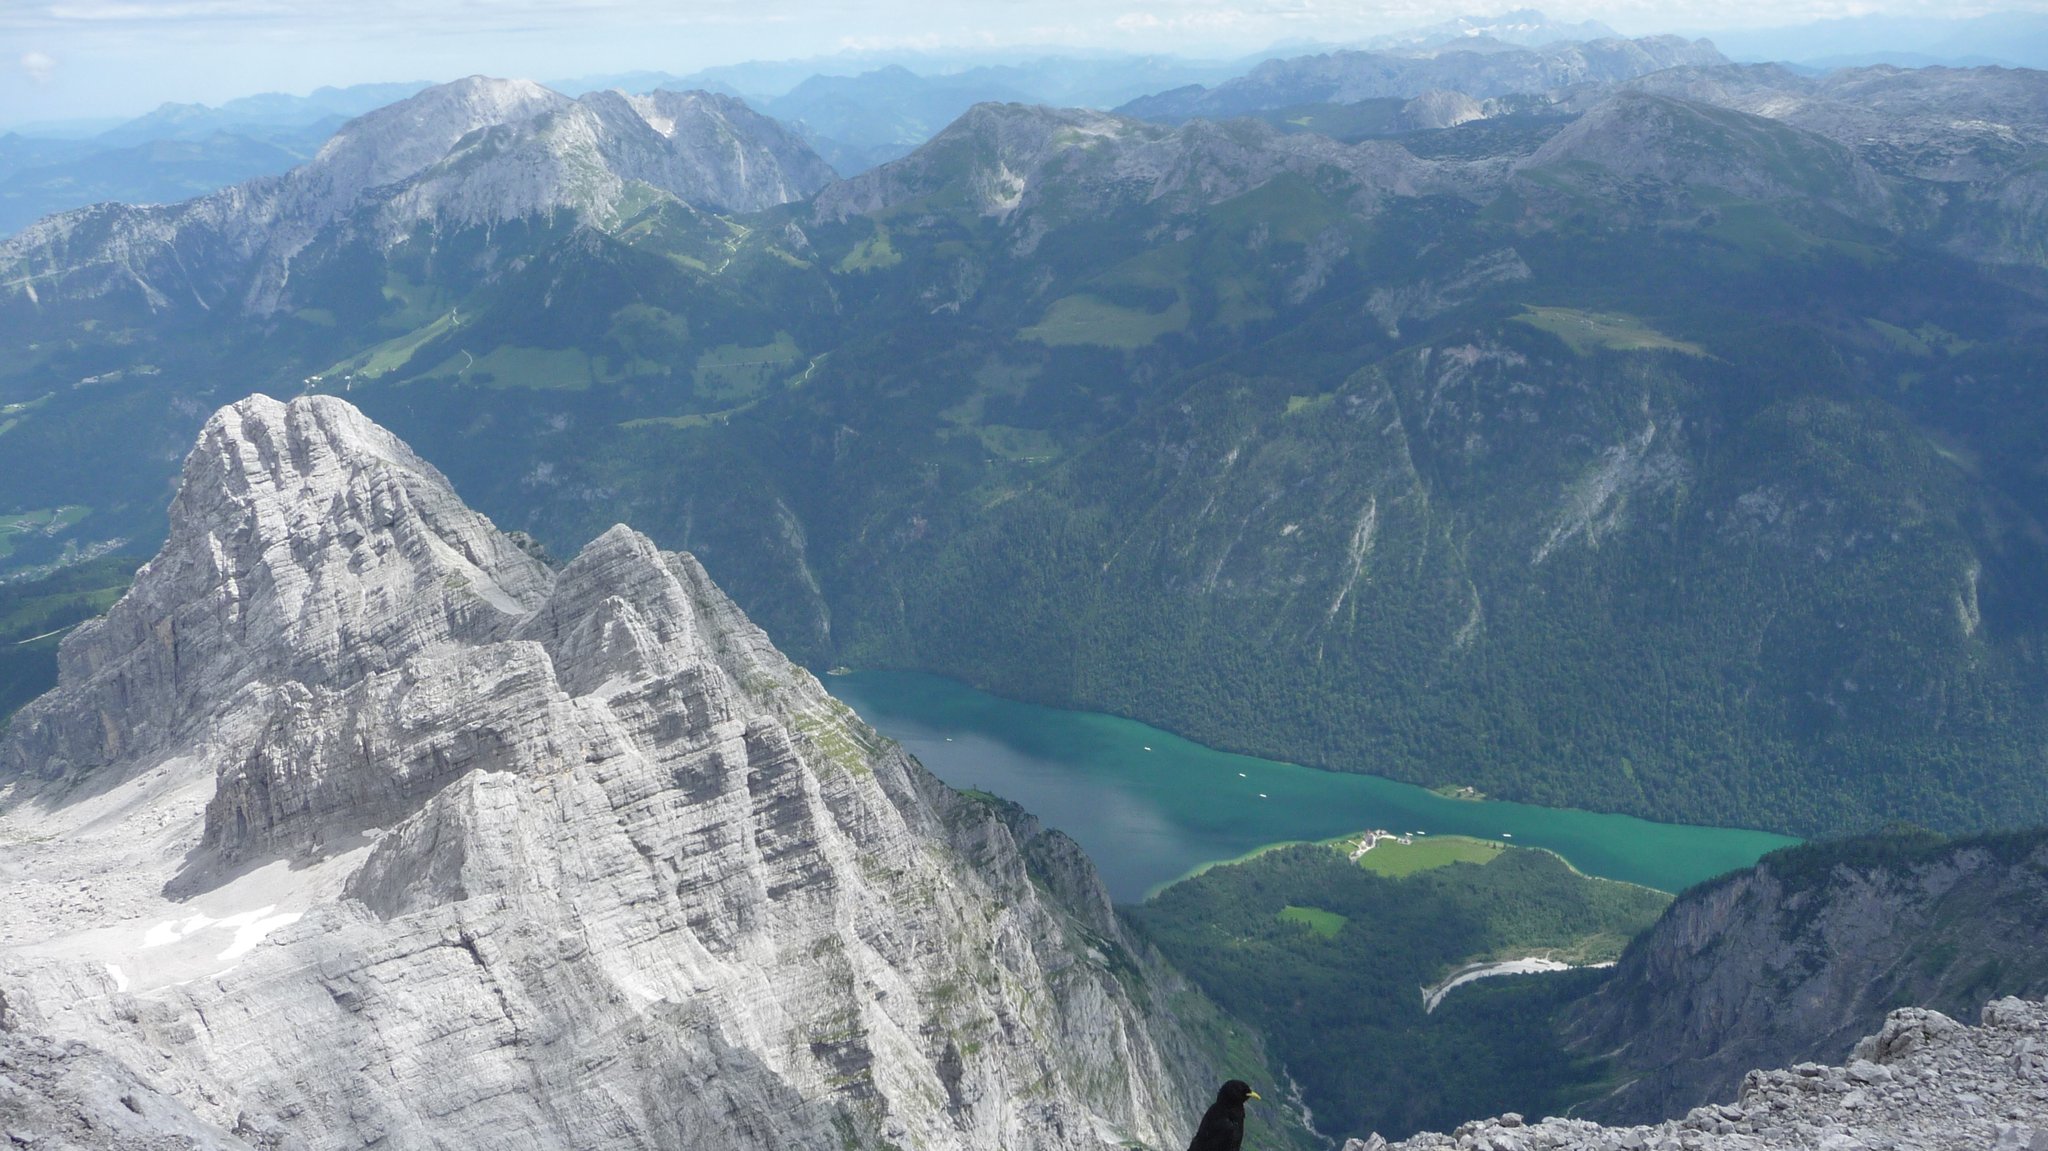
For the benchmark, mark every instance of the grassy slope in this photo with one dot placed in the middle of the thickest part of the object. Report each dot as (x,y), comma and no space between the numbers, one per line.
(1395,860)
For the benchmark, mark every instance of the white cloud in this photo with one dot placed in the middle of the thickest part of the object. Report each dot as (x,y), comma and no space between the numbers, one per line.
(39,66)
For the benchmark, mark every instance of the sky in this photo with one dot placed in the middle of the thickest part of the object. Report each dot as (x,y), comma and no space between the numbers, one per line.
(63,59)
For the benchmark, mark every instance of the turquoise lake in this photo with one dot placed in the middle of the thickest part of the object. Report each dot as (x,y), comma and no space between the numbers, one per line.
(1150,807)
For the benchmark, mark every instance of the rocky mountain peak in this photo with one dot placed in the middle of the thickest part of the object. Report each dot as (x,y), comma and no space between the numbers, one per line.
(720,153)
(993,151)
(352,822)
(1438,108)
(305,542)
(399,140)
(484,151)
(475,152)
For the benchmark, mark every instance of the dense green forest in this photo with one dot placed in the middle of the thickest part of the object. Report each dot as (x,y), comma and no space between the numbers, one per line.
(35,614)
(1330,958)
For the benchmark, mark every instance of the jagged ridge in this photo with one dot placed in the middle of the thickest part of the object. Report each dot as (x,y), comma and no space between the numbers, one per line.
(370,826)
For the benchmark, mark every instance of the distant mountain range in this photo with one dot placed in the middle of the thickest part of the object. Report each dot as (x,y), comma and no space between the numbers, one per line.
(859,117)
(176,152)
(860,109)
(1054,76)
(275,110)
(1475,69)
(861,121)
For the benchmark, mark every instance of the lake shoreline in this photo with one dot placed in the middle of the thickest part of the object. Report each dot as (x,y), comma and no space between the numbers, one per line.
(1152,808)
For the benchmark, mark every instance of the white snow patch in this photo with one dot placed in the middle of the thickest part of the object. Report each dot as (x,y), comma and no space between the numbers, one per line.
(640,989)
(251,933)
(170,943)
(249,927)
(120,980)
(166,933)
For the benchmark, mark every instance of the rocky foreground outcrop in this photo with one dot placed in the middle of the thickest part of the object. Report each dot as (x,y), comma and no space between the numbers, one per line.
(1923,1083)
(354,824)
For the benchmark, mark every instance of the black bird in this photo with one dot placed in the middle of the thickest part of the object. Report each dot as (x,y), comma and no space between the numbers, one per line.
(1222,1126)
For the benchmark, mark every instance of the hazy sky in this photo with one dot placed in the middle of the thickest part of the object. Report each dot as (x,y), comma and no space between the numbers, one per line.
(74,58)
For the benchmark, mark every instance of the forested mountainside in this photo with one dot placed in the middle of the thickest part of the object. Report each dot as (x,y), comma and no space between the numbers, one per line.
(1648,454)
(1347,968)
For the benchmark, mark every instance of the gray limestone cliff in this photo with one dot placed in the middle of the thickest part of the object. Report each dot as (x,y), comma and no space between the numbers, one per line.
(1798,957)
(353,824)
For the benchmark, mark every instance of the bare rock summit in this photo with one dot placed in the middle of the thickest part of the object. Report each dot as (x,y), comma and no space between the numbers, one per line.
(353,824)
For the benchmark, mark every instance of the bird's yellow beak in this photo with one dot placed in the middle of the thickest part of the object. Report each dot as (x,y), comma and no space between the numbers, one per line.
(1253,1095)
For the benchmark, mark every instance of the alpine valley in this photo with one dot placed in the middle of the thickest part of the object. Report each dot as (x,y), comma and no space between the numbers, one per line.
(1584,421)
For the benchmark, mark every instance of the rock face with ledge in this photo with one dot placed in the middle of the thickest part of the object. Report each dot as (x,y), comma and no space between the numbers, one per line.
(1924,1082)
(354,824)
